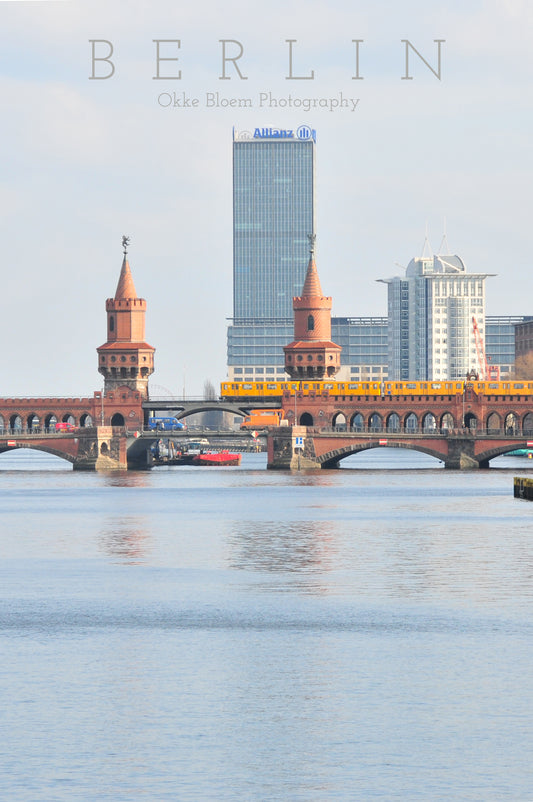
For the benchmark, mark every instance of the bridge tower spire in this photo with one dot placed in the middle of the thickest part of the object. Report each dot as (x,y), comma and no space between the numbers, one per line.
(125,359)
(312,354)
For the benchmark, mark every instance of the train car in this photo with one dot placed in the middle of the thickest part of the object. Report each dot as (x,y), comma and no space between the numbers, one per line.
(419,388)
(502,388)
(276,390)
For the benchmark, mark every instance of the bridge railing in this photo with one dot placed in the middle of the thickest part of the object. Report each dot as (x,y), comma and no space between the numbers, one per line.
(39,431)
(406,431)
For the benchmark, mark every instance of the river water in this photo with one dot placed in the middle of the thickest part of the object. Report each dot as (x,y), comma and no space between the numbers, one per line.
(242,634)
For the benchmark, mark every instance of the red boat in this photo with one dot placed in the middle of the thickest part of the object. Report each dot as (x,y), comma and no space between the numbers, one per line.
(216,458)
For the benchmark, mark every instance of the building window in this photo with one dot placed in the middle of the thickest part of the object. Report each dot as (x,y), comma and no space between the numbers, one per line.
(310,323)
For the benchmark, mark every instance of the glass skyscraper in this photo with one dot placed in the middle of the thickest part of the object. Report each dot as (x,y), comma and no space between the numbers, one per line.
(273,214)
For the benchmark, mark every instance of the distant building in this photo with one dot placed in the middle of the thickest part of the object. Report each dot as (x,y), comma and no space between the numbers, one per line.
(273,214)
(500,341)
(431,314)
(363,340)
(524,348)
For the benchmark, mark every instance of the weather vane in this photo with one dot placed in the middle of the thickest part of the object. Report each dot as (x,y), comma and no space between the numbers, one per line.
(311,238)
(125,243)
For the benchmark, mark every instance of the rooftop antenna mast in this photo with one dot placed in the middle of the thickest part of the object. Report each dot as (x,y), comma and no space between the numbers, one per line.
(444,247)
(427,252)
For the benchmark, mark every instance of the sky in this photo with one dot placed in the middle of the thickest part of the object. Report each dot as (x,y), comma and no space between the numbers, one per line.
(86,160)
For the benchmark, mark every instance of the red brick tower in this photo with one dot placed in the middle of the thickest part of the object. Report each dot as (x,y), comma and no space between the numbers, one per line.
(126,360)
(312,355)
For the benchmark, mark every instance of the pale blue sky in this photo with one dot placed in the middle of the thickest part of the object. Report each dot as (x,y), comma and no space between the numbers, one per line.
(87,161)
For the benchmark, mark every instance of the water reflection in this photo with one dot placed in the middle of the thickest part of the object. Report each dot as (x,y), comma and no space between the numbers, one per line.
(289,547)
(127,538)
(127,479)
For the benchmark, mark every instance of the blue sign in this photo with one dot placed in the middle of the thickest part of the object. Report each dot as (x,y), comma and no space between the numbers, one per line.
(303,132)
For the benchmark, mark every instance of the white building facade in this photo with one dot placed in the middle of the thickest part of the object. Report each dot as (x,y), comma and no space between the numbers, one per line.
(436,320)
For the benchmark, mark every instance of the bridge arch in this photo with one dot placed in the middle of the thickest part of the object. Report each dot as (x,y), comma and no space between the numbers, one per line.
(2,423)
(429,422)
(494,422)
(527,423)
(32,422)
(118,419)
(15,421)
(338,421)
(357,422)
(332,458)
(50,421)
(410,422)
(510,423)
(306,419)
(447,421)
(471,421)
(86,420)
(38,447)
(393,422)
(375,422)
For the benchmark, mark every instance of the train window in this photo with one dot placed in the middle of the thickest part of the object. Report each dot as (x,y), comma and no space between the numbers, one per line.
(436,386)
(272,386)
(518,386)
(410,386)
(352,387)
(328,387)
(493,386)
(306,387)
(247,387)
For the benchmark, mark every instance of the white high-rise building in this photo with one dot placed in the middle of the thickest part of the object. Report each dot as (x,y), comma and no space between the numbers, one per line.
(436,320)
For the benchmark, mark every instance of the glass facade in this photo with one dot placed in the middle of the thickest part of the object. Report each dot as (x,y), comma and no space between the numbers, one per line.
(273,214)
(500,340)
(257,349)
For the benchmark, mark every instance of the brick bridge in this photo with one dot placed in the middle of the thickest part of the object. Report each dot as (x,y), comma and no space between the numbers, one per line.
(301,447)
(412,413)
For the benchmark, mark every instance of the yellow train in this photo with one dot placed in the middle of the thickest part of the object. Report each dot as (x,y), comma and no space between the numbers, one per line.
(276,390)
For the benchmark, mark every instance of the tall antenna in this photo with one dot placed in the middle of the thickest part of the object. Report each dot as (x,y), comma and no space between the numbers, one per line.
(444,247)
(427,252)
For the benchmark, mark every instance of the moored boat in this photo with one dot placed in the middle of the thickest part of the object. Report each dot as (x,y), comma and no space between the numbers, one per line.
(217,458)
